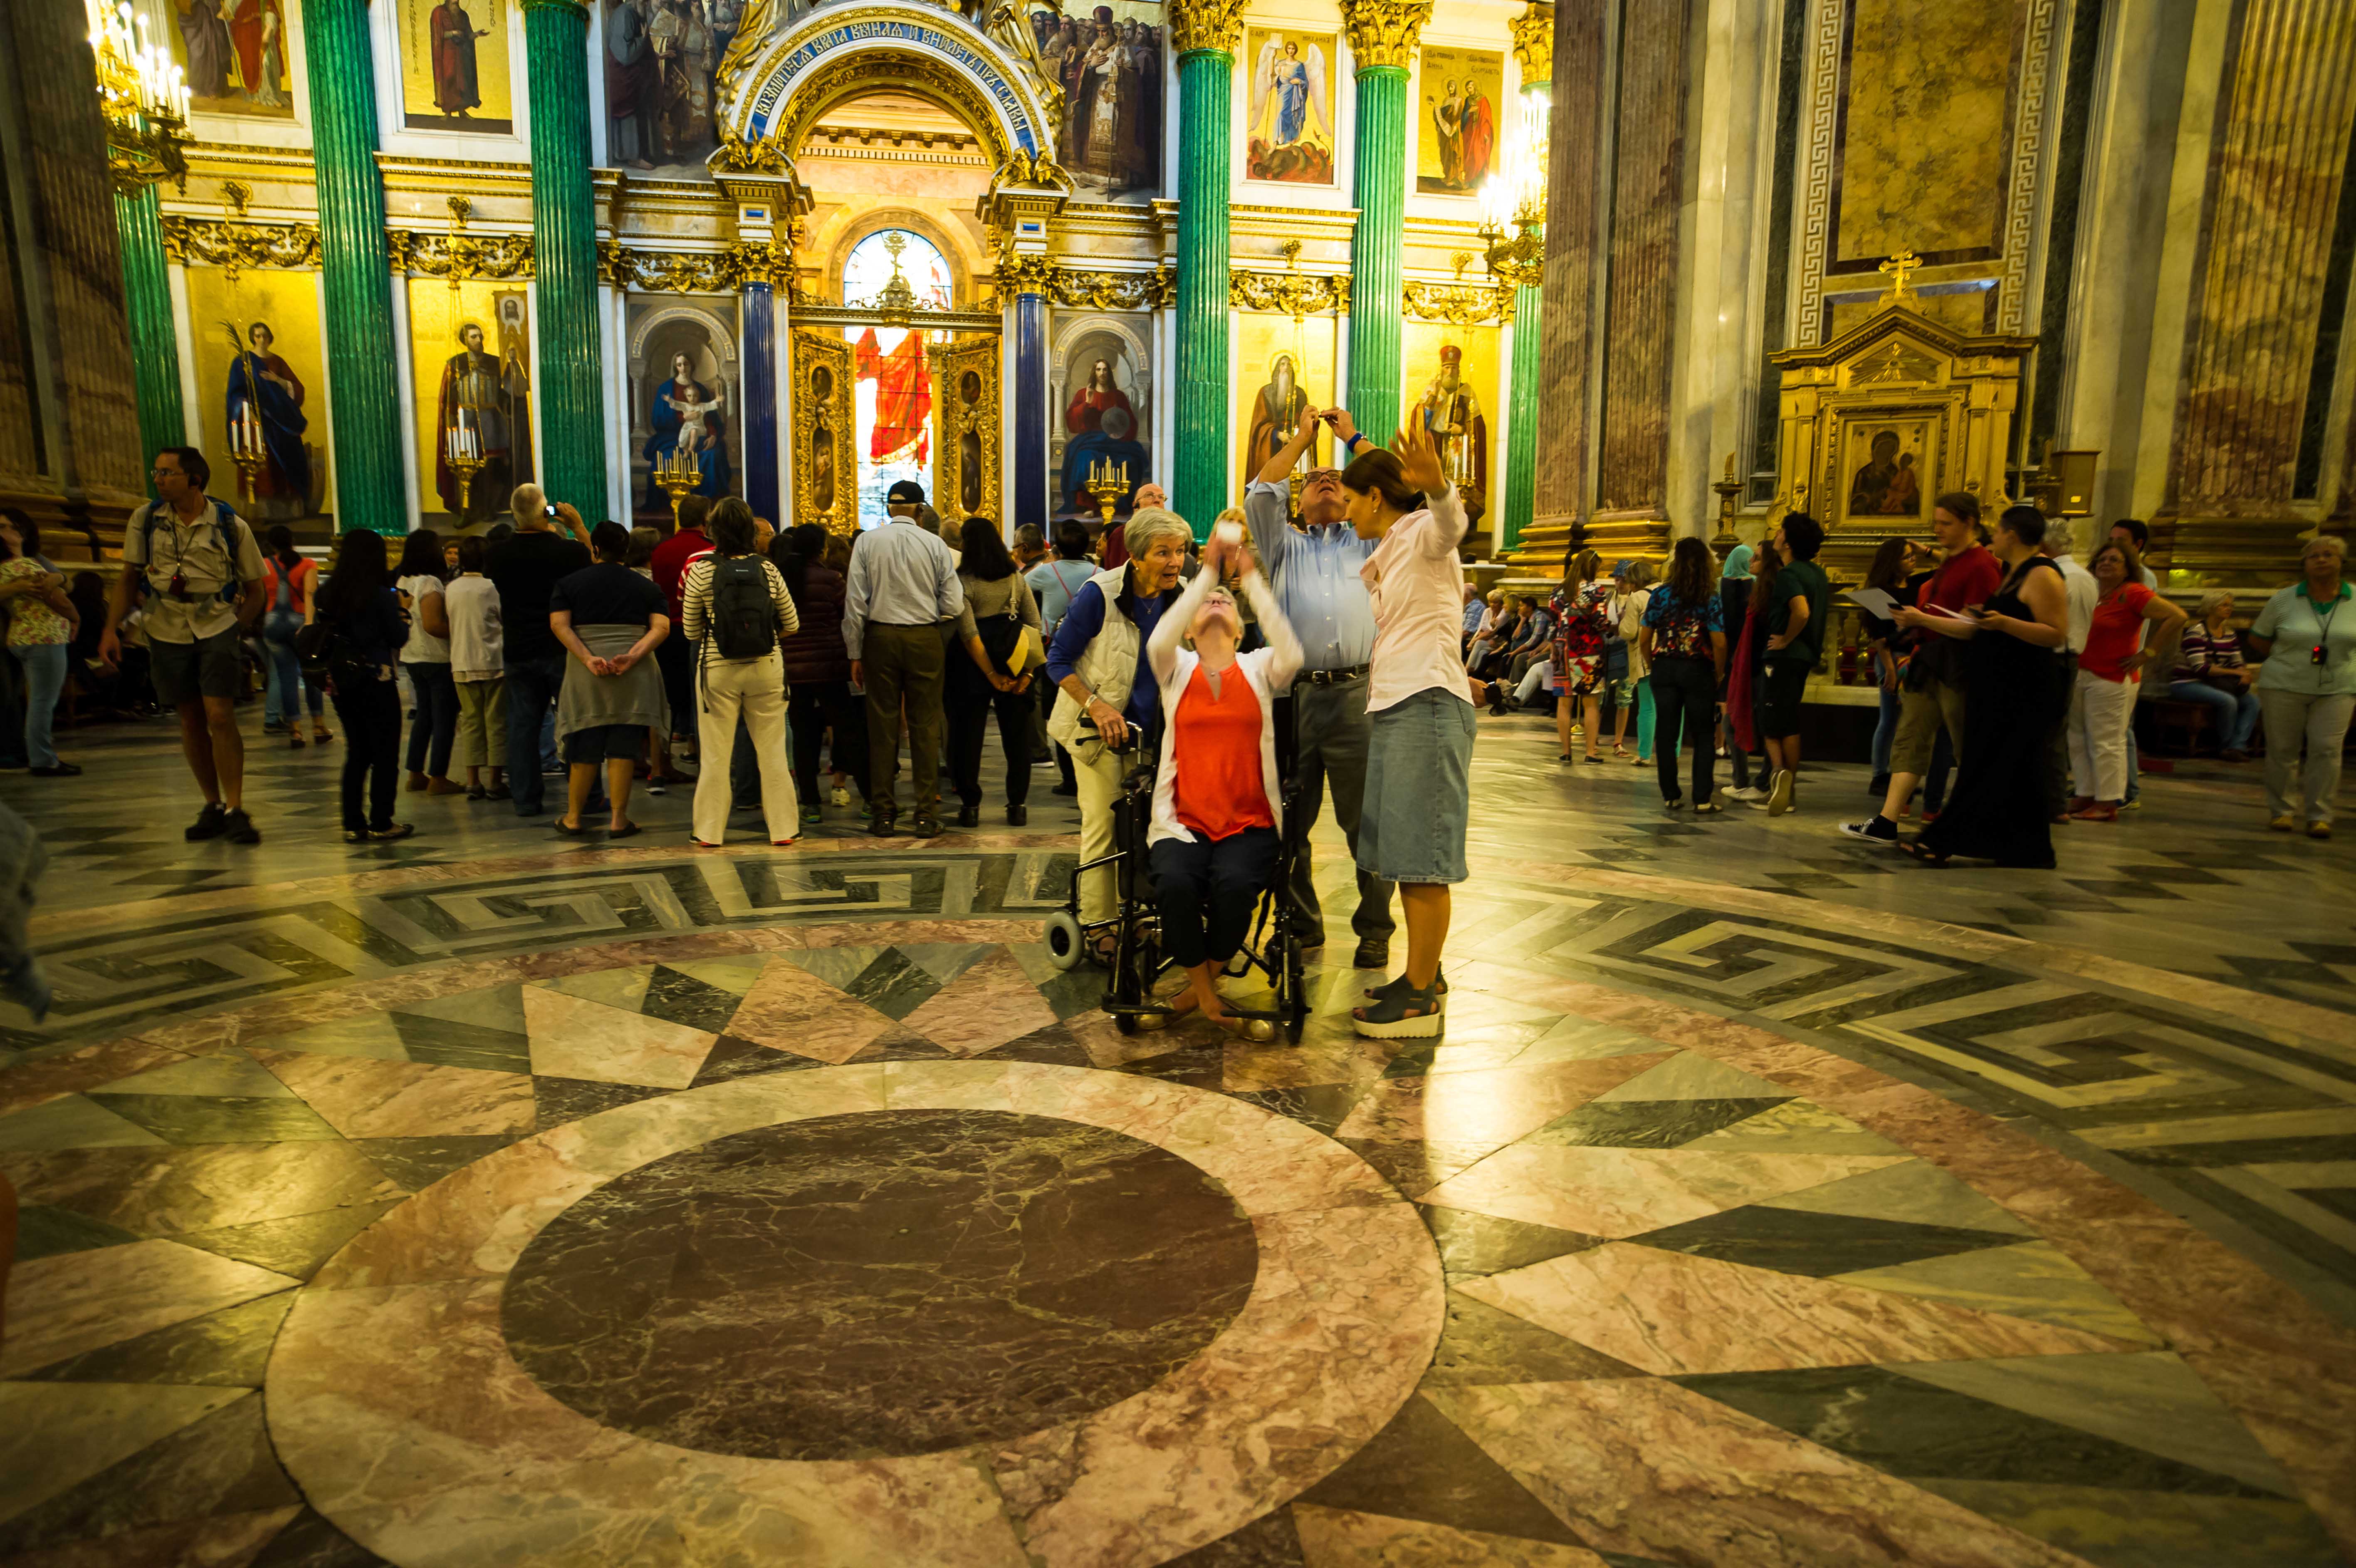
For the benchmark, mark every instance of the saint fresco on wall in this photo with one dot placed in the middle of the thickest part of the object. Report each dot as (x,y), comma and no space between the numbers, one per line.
(1457,146)
(1101,399)
(1284,368)
(1109,62)
(662,91)
(1449,377)
(1289,134)
(235,57)
(454,65)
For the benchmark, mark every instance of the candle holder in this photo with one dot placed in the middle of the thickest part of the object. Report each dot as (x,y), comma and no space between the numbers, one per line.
(1727,488)
(1108,482)
(245,450)
(465,466)
(677,474)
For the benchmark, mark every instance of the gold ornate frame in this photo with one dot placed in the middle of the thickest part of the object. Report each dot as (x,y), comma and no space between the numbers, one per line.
(813,351)
(954,416)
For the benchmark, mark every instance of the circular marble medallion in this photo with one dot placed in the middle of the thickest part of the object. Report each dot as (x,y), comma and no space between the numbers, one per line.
(888,1282)
(399,1398)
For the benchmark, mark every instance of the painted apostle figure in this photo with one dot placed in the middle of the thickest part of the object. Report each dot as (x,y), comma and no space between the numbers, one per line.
(1450,411)
(455,88)
(481,394)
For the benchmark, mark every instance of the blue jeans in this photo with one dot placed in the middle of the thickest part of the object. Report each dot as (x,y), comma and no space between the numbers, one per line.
(45,676)
(532,686)
(437,718)
(284,669)
(1885,732)
(2235,714)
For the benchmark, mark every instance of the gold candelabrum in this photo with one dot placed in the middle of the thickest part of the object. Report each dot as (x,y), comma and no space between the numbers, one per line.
(1727,488)
(1512,205)
(143,99)
(677,474)
(246,450)
(463,451)
(1108,482)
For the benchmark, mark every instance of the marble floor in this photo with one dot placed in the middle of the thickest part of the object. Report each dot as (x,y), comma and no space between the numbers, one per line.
(496,1199)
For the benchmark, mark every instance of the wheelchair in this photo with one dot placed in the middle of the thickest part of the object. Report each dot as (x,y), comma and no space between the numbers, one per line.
(1137,962)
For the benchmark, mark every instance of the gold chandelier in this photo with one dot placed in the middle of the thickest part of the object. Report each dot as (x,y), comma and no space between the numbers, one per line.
(1512,205)
(143,97)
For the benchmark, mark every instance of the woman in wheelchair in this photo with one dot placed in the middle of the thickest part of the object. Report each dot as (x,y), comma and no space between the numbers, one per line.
(1217,809)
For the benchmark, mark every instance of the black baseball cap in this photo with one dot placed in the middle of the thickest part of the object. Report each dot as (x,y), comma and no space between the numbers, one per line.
(904,492)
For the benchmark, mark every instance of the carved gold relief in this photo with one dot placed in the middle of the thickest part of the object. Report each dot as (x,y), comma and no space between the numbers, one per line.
(1289,294)
(919,74)
(459,256)
(1384,32)
(1010,25)
(1038,169)
(965,403)
(1534,42)
(736,155)
(1465,305)
(1211,25)
(662,272)
(234,244)
(1112,291)
(826,455)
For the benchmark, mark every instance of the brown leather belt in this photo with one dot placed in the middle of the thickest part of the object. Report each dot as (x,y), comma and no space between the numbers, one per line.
(1330,677)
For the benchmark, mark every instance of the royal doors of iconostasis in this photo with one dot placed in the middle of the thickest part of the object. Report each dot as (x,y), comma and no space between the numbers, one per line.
(873,405)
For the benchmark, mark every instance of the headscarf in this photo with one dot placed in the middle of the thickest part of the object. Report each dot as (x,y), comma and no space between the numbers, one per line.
(1738,566)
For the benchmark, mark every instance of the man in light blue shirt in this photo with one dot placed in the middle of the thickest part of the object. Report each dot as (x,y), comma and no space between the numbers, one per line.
(902,584)
(1314,569)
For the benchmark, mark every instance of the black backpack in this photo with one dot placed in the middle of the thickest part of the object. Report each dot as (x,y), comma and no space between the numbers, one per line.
(743,615)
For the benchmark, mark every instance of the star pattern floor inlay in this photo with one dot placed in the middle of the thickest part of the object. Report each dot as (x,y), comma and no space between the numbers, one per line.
(564,1205)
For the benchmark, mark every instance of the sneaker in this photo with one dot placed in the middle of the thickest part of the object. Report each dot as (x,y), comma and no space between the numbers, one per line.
(841,796)
(210,824)
(1878,786)
(387,835)
(239,827)
(1779,798)
(2318,830)
(927,827)
(1929,817)
(880,824)
(2284,823)
(810,813)
(56,770)
(1748,794)
(1875,829)
(1373,953)
(654,787)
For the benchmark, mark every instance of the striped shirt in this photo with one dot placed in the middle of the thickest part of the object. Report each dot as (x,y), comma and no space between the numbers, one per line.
(695,600)
(2201,649)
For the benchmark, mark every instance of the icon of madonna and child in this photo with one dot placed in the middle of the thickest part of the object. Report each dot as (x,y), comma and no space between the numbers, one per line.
(685,416)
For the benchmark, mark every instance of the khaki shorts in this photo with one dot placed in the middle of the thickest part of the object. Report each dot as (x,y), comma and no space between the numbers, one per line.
(184,671)
(1920,714)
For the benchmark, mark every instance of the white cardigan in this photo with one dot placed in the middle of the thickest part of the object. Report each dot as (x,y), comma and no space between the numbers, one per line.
(1268,669)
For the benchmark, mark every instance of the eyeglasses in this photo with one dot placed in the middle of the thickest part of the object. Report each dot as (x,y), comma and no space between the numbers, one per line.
(166,473)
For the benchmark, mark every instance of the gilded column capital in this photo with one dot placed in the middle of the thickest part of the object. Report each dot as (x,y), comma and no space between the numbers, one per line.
(1214,25)
(1534,43)
(1384,32)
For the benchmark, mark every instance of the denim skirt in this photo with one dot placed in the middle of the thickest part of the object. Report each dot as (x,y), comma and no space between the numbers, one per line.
(1419,789)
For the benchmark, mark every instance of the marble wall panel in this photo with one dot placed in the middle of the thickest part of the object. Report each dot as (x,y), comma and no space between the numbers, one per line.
(1925,133)
(1567,336)
(2275,192)
(1640,328)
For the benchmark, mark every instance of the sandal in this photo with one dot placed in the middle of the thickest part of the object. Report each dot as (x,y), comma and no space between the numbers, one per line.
(569,831)
(1619,751)
(1404,1013)
(294,737)
(627,829)
(1912,848)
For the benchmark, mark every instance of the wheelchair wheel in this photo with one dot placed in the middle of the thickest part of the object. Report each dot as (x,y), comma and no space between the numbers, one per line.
(1125,1022)
(1292,992)
(1065,949)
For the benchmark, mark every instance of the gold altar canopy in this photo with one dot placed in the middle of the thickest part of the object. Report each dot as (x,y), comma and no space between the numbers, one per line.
(1885,416)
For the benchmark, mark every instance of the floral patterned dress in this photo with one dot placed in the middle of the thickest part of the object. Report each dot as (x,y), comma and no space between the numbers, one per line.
(1583,625)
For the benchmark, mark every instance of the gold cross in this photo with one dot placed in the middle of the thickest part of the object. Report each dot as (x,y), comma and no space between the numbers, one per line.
(1901,267)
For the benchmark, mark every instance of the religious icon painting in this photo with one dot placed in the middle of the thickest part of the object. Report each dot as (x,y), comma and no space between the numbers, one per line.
(1289,106)
(685,379)
(1286,368)
(1103,403)
(454,65)
(663,95)
(1459,143)
(234,55)
(261,390)
(1888,467)
(471,352)
(1107,59)
(1449,376)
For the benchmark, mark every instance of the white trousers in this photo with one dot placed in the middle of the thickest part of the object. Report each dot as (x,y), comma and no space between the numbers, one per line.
(2099,712)
(756,688)
(2320,724)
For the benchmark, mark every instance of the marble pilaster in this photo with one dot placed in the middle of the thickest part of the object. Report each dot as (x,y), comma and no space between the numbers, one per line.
(2254,396)
(1383,35)
(564,256)
(1206,34)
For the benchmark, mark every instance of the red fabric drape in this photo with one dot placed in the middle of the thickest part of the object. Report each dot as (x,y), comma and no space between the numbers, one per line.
(904,393)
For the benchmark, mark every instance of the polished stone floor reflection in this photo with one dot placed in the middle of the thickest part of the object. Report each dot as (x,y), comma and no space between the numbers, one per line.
(572,1204)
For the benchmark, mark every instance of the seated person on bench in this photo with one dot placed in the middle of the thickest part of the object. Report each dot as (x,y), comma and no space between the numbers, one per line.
(1218,807)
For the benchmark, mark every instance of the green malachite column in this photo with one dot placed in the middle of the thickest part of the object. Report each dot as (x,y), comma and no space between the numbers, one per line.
(1382,41)
(370,491)
(147,303)
(1205,36)
(564,256)
(1522,420)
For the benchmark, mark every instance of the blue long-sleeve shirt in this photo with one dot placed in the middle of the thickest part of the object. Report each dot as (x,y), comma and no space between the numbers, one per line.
(1315,574)
(1084,618)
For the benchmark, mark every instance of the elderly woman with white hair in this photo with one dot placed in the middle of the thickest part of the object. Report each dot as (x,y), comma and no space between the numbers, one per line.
(2307,686)
(1108,707)
(2210,671)
(1218,811)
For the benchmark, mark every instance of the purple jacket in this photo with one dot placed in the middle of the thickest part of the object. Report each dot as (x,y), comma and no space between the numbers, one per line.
(816,651)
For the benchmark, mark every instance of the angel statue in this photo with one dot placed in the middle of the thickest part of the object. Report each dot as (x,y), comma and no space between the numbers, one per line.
(1289,139)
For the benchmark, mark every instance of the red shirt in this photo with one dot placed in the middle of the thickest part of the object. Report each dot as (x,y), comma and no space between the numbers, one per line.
(2117,633)
(669,566)
(1968,577)
(1220,789)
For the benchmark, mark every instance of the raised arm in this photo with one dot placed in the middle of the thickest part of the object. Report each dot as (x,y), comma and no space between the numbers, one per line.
(1283,647)
(1161,648)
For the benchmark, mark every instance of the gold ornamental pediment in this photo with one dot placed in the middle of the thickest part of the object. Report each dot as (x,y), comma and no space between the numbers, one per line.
(1897,344)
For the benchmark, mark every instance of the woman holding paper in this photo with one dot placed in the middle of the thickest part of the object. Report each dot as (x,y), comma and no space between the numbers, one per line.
(2011,697)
